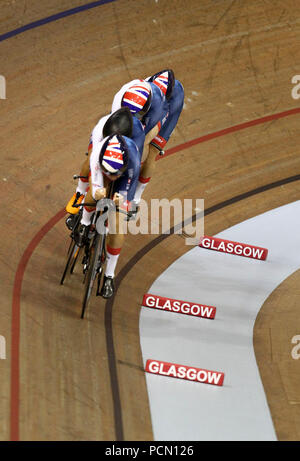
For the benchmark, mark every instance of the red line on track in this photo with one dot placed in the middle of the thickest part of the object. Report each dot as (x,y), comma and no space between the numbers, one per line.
(231,129)
(16,302)
(15,324)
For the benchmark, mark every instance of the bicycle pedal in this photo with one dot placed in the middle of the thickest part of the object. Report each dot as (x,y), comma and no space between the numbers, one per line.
(85,264)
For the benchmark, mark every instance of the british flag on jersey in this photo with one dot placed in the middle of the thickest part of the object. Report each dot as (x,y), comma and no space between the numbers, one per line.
(136,96)
(113,158)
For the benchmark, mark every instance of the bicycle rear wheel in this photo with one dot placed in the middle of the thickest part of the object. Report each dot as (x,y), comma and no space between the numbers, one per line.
(71,261)
(95,263)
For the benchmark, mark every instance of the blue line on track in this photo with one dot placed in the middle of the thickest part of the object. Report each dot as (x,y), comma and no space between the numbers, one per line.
(54,17)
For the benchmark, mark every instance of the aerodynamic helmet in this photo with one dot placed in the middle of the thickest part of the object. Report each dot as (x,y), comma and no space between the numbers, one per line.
(138,98)
(113,157)
(119,122)
(165,80)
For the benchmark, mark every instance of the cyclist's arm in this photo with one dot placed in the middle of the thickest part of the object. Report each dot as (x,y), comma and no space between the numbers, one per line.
(175,108)
(97,133)
(126,185)
(138,135)
(149,137)
(96,176)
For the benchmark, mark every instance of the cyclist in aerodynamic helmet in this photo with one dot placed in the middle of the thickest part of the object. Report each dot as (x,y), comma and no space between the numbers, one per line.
(157,102)
(121,122)
(116,158)
(158,136)
(147,103)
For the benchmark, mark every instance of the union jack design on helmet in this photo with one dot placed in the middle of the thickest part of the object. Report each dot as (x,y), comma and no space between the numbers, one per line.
(165,80)
(137,97)
(114,158)
(162,81)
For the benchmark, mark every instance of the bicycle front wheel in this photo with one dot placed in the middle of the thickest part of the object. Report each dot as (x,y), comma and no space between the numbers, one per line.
(94,263)
(72,258)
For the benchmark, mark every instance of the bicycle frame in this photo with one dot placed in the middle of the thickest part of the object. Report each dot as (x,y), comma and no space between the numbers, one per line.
(95,247)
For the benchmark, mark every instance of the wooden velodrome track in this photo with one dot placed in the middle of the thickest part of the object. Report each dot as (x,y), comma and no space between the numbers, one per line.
(67,379)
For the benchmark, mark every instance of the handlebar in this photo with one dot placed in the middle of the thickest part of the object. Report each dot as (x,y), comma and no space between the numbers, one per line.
(99,204)
(104,203)
(78,176)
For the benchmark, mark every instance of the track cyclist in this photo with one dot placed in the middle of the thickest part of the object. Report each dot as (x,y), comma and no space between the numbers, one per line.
(173,92)
(157,102)
(115,160)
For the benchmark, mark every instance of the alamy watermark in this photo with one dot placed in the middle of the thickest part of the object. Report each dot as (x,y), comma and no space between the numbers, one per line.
(296,89)
(295,353)
(2,87)
(160,216)
(2,348)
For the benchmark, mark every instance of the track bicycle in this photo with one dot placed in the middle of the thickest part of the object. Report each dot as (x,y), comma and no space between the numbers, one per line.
(94,249)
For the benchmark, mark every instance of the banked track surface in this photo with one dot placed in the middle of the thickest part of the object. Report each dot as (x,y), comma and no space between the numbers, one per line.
(118,418)
(271,175)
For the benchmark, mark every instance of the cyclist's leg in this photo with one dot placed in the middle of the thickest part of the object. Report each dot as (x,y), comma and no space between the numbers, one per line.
(88,210)
(81,232)
(160,138)
(81,189)
(151,135)
(148,164)
(115,240)
(114,245)
(84,171)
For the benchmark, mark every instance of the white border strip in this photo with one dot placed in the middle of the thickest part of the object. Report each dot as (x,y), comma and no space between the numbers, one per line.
(238,287)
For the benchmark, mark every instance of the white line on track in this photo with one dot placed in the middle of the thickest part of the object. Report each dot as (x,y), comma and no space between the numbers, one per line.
(238,287)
